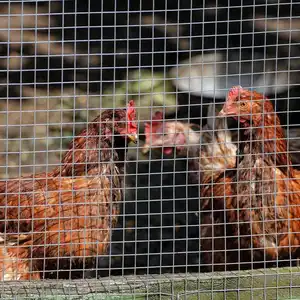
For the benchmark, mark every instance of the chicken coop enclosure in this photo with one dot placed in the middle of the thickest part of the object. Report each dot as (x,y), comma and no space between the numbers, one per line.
(150,149)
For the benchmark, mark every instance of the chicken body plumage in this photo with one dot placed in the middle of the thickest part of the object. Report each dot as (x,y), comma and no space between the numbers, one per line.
(265,197)
(70,212)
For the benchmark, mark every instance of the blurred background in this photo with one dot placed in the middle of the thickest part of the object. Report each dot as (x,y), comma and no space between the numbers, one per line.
(60,61)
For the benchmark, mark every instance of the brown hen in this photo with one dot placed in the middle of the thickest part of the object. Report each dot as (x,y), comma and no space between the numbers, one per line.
(262,196)
(70,212)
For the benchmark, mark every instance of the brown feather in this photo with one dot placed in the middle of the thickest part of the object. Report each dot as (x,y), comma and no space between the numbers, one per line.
(262,196)
(70,212)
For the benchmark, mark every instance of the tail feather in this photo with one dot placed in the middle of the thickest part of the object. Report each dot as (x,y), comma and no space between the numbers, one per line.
(15,264)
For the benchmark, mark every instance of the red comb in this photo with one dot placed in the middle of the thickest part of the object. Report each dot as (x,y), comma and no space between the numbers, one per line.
(158,116)
(131,112)
(131,116)
(234,91)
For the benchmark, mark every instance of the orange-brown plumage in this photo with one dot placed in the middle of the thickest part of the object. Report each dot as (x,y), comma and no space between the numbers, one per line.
(68,213)
(262,196)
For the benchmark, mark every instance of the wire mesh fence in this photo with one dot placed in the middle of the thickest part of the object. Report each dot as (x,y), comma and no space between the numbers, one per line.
(190,190)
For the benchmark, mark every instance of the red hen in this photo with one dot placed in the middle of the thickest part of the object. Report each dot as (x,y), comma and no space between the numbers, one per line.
(70,212)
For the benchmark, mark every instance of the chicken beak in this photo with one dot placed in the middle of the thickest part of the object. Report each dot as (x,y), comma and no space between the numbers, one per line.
(133,138)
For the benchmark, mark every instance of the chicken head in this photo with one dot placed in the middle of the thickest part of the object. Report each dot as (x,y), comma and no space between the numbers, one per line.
(122,122)
(169,135)
(246,106)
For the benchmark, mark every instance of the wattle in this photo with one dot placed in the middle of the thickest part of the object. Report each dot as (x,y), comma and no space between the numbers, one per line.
(168,150)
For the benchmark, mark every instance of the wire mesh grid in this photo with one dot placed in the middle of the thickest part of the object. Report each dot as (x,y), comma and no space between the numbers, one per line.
(204,205)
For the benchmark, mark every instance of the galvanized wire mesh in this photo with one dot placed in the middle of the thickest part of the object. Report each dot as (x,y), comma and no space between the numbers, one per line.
(61,65)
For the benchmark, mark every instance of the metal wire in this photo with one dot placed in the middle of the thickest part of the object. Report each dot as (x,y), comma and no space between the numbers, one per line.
(176,233)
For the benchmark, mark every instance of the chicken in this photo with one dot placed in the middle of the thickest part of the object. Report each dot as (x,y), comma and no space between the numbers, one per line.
(172,136)
(211,152)
(184,139)
(262,195)
(68,213)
